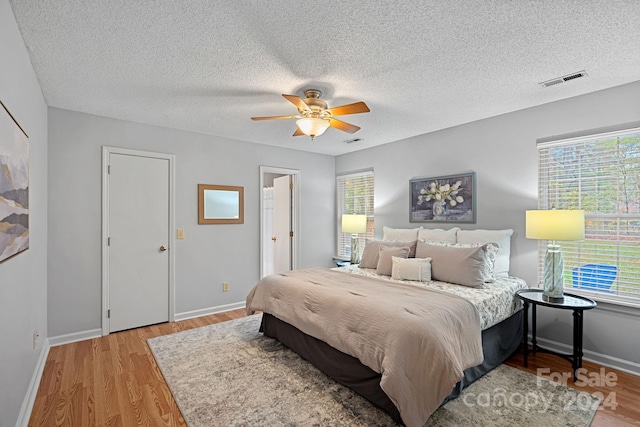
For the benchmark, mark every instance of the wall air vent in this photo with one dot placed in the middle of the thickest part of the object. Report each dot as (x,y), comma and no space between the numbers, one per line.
(351,141)
(563,79)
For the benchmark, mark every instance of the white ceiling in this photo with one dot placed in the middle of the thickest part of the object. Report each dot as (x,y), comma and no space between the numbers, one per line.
(209,65)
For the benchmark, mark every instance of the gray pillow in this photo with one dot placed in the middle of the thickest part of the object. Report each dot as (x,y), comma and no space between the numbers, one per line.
(385,263)
(491,249)
(459,265)
(372,248)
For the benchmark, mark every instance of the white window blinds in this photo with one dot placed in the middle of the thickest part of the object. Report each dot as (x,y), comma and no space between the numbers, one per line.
(601,175)
(355,196)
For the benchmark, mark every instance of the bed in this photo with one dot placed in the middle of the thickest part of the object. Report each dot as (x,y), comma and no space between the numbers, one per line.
(367,330)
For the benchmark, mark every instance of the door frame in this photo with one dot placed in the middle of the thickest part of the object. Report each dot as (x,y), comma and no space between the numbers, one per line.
(106,152)
(295,212)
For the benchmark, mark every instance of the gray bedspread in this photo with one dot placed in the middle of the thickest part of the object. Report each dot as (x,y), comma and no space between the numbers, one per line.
(419,340)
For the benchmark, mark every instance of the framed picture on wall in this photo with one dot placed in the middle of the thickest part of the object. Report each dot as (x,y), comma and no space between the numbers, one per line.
(14,186)
(450,198)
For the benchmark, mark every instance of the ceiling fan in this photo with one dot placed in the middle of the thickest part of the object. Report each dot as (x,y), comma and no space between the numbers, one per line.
(314,117)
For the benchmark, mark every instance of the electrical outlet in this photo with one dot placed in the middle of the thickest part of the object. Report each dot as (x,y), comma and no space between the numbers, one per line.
(225,287)
(180,233)
(35,338)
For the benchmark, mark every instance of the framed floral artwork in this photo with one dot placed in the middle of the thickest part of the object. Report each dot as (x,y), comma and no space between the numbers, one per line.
(14,186)
(450,198)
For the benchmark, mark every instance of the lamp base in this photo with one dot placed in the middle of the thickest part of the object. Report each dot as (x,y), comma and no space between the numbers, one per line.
(355,249)
(553,280)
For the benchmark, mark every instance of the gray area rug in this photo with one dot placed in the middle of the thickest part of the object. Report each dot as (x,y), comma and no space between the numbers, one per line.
(229,374)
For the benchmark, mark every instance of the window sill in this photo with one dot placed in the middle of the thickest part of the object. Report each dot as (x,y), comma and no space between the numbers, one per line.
(609,302)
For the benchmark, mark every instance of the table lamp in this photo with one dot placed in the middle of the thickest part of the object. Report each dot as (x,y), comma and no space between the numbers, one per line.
(354,224)
(553,225)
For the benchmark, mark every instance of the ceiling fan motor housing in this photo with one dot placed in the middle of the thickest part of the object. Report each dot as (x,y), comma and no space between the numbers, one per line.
(316,105)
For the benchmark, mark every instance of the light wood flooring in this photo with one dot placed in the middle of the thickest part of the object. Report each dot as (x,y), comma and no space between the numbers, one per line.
(114,381)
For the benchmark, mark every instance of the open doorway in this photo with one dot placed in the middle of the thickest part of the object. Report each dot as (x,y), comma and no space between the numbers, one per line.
(279,237)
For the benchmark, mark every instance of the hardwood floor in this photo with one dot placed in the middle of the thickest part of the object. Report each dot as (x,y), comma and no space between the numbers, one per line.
(114,381)
(620,397)
(111,381)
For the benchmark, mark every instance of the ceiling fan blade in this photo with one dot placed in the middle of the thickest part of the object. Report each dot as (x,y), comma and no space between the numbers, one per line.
(298,132)
(343,126)
(297,101)
(355,108)
(274,117)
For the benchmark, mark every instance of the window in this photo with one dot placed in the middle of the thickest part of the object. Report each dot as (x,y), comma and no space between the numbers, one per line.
(601,175)
(355,196)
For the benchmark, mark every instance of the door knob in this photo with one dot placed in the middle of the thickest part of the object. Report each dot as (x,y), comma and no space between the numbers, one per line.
(273,238)
(163,248)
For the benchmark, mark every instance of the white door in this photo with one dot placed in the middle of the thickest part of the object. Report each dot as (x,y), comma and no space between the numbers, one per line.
(138,241)
(282,224)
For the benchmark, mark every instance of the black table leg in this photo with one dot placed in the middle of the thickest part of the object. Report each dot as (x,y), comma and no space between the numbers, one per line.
(525,332)
(577,342)
(534,342)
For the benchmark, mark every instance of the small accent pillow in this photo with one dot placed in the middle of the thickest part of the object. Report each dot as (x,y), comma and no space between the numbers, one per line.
(400,234)
(455,264)
(501,237)
(491,249)
(438,234)
(416,269)
(371,251)
(386,253)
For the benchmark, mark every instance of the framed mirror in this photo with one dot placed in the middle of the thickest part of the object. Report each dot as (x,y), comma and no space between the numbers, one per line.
(220,204)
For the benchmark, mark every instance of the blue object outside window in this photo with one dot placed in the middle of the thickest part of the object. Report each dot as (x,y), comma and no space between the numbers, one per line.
(596,277)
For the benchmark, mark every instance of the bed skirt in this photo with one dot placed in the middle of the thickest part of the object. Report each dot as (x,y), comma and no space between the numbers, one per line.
(499,342)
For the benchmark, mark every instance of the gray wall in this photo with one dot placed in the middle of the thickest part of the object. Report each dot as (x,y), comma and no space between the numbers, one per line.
(209,254)
(23,279)
(502,152)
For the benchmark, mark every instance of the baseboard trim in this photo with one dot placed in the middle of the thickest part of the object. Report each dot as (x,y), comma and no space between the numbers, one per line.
(593,356)
(74,337)
(32,390)
(210,310)
(97,333)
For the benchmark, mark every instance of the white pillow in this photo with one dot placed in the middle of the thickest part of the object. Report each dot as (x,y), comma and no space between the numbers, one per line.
(501,237)
(438,234)
(400,234)
(416,269)
(491,251)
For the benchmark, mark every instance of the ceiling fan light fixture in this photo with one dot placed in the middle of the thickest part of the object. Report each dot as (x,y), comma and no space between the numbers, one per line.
(313,126)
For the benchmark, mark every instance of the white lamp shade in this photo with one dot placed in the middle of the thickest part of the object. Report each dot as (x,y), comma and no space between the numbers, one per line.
(312,127)
(354,224)
(555,224)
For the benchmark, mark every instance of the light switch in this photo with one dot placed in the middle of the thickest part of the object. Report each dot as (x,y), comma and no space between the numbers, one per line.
(180,233)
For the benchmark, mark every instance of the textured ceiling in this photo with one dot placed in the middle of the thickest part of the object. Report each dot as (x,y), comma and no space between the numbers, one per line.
(208,66)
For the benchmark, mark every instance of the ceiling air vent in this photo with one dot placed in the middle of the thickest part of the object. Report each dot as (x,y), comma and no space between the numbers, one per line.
(563,79)
(351,141)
